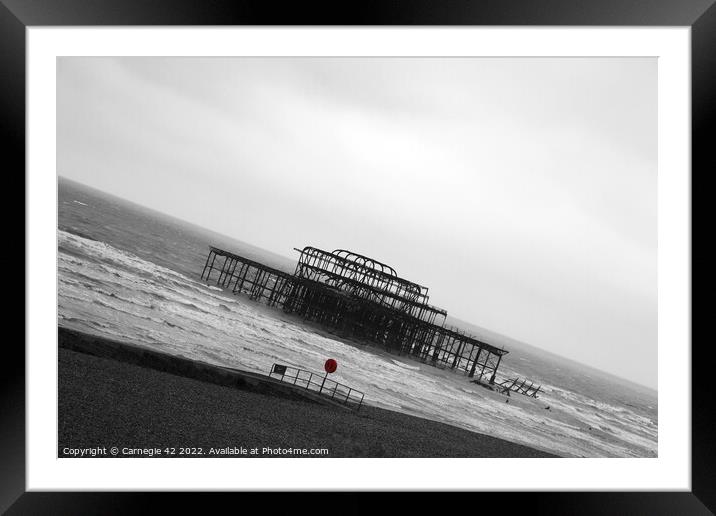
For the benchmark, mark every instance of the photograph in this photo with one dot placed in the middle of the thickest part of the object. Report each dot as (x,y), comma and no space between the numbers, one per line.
(408,247)
(357,257)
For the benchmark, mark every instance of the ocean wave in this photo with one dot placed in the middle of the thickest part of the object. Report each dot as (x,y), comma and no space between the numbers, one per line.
(114,293)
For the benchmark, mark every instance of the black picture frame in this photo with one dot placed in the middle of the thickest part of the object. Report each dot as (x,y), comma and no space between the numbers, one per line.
(17,15)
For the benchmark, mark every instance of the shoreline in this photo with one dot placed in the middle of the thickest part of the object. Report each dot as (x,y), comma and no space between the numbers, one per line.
(114,393)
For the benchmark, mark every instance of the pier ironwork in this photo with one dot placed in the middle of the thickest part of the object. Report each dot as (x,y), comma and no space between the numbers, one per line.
(358,297)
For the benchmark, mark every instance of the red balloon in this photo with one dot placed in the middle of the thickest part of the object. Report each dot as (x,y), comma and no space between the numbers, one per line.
(330,366)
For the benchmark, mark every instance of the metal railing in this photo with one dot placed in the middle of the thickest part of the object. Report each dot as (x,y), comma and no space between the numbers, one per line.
(319,383)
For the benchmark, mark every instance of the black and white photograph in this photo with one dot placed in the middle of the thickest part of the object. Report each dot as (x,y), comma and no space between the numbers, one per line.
(384,257)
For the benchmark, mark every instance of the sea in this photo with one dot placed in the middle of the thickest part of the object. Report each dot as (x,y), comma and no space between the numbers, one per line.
(132,274)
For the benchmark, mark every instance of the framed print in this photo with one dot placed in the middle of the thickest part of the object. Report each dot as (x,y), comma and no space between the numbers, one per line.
(447,248)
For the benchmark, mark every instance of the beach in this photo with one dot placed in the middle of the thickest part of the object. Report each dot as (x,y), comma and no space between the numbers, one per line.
(116,402)
(132,275)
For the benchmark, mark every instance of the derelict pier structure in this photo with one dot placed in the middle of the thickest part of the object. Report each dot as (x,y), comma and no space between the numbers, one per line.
(361,298)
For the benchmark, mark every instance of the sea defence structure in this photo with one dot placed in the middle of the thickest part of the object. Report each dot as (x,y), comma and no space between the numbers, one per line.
(360,298)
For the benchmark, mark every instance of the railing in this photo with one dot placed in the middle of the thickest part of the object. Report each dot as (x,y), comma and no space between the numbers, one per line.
(318,382)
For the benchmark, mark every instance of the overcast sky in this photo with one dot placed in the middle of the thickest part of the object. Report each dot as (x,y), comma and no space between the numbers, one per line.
(522,192)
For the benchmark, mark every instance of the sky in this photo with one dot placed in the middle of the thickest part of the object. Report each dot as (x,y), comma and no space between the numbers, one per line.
(521,191)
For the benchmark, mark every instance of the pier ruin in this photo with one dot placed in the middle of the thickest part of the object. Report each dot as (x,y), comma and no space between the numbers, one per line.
(362,298)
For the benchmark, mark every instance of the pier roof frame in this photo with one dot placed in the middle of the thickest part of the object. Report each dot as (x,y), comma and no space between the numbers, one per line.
(378,271)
